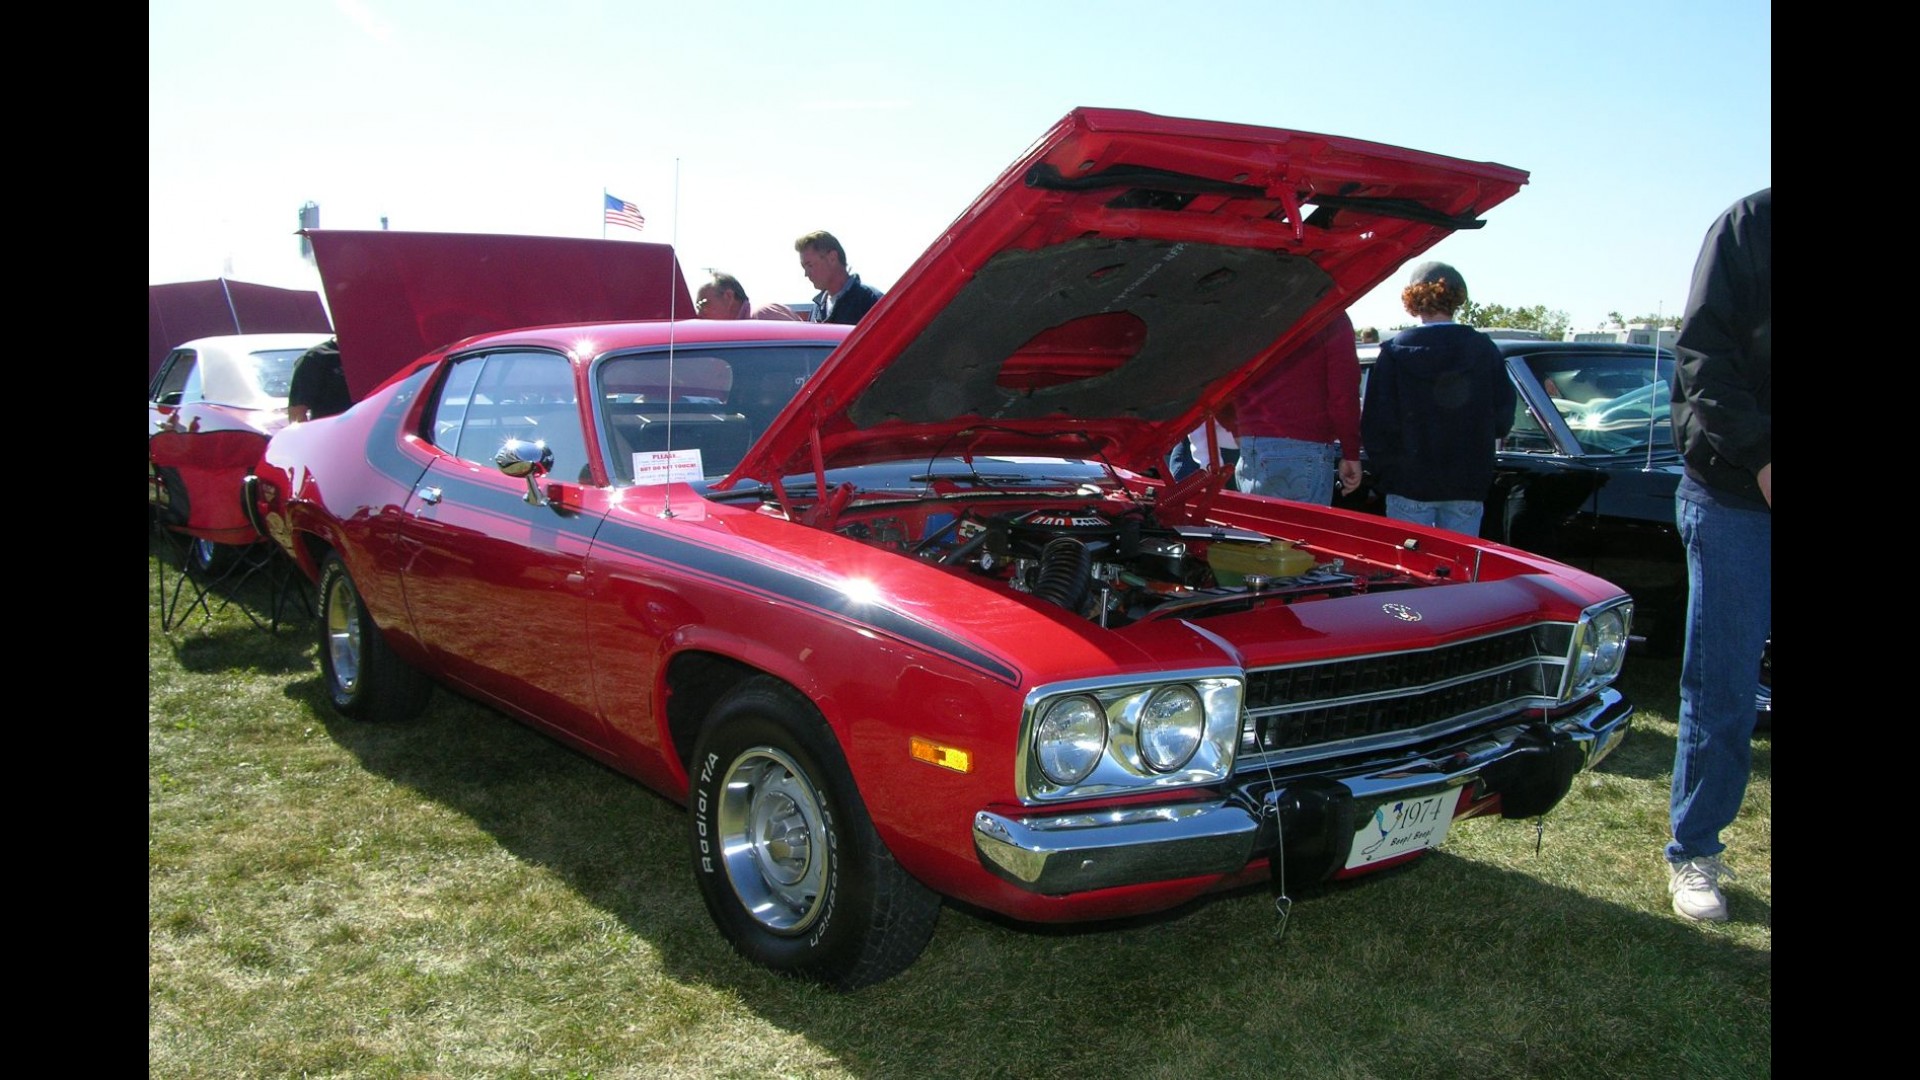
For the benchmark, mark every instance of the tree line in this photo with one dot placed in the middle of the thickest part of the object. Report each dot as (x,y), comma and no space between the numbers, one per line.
(1539,317)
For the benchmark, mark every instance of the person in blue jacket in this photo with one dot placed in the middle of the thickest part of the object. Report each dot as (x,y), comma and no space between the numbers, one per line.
(843,297)
(1438,402)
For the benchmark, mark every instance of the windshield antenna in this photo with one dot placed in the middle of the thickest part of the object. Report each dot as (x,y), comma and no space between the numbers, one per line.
(673,316)
(1653,382)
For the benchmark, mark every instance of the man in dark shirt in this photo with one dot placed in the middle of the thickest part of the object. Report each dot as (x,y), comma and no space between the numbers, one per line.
(843,298)
(319,386)
(1723,424)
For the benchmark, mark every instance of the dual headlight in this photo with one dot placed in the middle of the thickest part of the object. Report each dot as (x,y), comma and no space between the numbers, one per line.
(1599,648)
(1100,737)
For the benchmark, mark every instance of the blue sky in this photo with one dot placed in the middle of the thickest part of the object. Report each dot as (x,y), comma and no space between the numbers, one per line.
(738,126)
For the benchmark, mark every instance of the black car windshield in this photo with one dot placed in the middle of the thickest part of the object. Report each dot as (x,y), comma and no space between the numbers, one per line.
(1614,404)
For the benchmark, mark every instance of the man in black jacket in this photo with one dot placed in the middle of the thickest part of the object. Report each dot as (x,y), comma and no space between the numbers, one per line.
(1723,424)
(319,386)
(843,298)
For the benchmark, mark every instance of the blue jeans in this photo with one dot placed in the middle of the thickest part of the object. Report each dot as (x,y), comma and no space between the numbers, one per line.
(1729,614)
(1287,468)
(1460,515)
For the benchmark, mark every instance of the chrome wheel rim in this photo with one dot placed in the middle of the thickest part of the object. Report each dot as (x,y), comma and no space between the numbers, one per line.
(772,840)
(343,634)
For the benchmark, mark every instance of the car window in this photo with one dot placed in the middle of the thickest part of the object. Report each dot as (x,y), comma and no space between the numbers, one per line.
(1528,434)
(486,400)
(1613,403)
(179,379)
(270,371)
(716,401)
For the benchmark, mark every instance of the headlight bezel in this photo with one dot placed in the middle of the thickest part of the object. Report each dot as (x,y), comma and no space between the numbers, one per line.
(1124,765)
(1598,651)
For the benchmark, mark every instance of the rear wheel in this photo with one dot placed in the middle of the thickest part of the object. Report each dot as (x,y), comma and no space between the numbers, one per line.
(786,857)
(204,556)
(365,680)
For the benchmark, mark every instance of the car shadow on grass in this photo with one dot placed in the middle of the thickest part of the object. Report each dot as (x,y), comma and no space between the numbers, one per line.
(1455,964)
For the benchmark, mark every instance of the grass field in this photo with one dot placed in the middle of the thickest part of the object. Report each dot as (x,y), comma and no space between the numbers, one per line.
(460,897)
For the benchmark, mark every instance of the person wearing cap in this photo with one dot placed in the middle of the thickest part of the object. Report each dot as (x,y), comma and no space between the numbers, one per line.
(843,297)
(723,297)
(1723,424)
(1438,402)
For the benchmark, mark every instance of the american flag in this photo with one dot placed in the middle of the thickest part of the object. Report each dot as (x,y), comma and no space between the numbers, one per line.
(622,212)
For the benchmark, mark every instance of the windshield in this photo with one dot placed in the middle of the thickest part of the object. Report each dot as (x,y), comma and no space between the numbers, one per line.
(1613,403)
(695,414)
(270,371)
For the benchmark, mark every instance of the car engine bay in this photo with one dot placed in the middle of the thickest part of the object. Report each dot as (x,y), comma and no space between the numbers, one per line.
(1110,561)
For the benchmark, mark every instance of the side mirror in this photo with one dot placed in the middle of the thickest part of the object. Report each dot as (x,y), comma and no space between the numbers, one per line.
(529,461)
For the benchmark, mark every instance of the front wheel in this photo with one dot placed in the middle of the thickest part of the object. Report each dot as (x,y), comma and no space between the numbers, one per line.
(365,680)
(786,857)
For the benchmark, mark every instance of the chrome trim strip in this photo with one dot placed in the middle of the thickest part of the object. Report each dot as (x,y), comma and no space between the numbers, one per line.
(1403,692)
(1254,761)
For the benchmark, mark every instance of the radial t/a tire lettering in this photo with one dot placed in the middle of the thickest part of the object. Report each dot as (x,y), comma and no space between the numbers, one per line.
(364,679)
(785,854)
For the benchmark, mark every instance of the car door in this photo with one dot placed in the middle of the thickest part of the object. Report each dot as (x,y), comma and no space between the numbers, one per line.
(495,583)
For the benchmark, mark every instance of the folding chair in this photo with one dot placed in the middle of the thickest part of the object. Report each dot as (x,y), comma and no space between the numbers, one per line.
(214,547)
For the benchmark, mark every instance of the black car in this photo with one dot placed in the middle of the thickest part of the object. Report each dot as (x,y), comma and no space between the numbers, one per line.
(1588,473)
(1587,477)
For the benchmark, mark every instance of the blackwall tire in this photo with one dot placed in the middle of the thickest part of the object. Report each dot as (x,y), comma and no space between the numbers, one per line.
(363,677)
(785,854)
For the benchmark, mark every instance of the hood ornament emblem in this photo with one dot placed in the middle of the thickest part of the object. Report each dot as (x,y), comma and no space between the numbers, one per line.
(1401,612)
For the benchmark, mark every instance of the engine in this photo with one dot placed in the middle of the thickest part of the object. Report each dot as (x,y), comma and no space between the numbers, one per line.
(1114,567)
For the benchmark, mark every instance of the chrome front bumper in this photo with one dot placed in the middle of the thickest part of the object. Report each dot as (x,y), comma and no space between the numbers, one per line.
(1314,812)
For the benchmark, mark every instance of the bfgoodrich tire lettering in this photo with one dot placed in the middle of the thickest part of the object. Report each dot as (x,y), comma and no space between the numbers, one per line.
(364,679)
(786,857)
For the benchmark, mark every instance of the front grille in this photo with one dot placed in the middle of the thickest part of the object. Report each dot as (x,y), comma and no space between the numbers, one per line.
(1309,705)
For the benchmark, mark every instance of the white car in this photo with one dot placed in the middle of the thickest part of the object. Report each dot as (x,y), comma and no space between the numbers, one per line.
(210,409)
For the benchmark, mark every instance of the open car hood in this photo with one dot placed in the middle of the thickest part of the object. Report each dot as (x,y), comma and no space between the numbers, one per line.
(396,296)
(1119,280)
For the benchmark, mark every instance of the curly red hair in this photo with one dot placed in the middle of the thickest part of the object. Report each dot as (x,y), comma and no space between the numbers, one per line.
(1432,298)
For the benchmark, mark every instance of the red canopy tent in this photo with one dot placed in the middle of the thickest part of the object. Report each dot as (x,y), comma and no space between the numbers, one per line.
(185,310)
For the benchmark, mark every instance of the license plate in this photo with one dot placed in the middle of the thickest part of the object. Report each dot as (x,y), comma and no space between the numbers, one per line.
(1402,827)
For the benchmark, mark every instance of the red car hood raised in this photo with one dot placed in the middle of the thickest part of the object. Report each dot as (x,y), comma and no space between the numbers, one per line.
(1118,281)
(397,296)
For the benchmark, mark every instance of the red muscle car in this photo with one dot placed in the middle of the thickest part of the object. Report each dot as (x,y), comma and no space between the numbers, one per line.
(911,616)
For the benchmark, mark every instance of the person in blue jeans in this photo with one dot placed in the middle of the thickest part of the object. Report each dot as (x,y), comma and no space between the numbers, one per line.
(1723,424)
(1438,402)
(1298,425)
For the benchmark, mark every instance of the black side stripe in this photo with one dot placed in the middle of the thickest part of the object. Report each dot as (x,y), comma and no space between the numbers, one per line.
(784,585)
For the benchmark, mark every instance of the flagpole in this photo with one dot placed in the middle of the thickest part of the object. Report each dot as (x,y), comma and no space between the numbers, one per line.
(604,195)
(673,301)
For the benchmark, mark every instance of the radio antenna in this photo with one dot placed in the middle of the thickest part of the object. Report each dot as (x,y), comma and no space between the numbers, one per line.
(673,316)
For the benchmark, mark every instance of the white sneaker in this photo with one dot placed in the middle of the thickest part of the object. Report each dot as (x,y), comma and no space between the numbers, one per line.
(1695,885)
